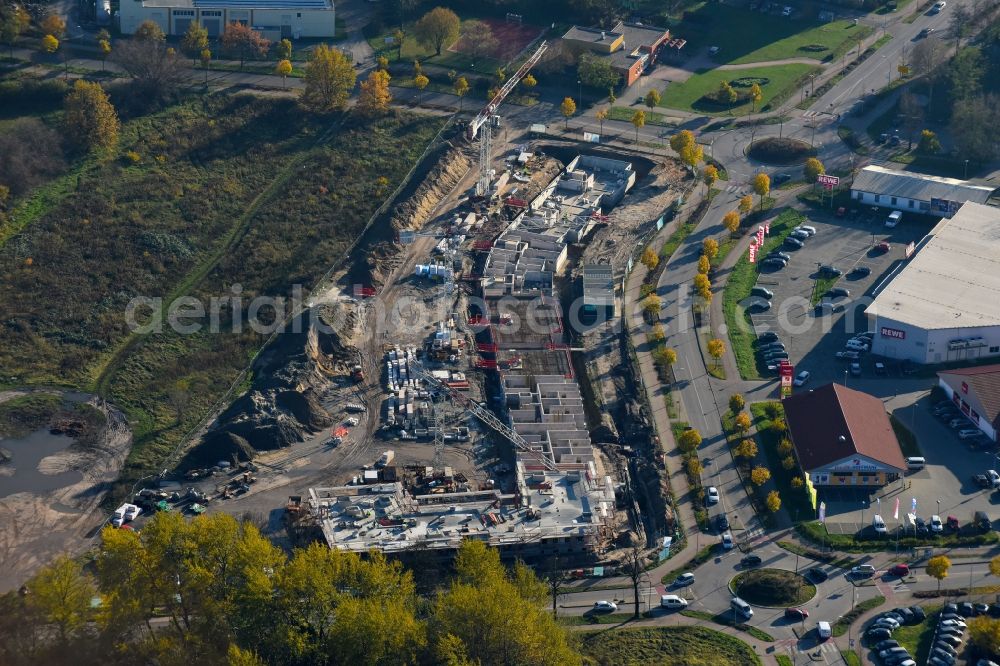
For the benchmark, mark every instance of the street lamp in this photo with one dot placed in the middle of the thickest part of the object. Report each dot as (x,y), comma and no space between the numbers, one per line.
(966,176)
(939,507)
(863,507)
(579,84)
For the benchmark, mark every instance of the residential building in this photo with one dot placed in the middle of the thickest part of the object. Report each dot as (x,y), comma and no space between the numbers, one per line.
(941,306)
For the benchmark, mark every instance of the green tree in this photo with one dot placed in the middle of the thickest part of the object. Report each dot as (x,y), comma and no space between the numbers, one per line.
(652,98)
(149,31)
(437,28)
(731,221)
(972,127)
(650,259)
(63,594)
(206,60)
(567,108)
(726,94)
(195,40)
(785,446)
(760,475)
(13,21)
(813,169)
(755,96)
(639,121)
(742,423)
(773,502)
(399,37)
(937,567)
(105,48)
(244,41)
(704,265)
(966,73)
(529,81)
(652,305)
(478,38)
(375,96)
(736,403)
(664,356)
(984,633)
(746,203)
(716,348)
(596,72)
(694,466)
(788,462)
(284,50)
(657,334)
(461,87)
(90,120)
(55,26)
(283,69)
(689,440)
(329,80)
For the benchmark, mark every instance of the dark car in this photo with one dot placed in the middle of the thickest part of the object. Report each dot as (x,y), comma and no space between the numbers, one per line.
(774,262)
(920,526)
(780,255)
(751,561)
(830,271)
(839,291)
(817,575)
(982,521)
(950,607)
(981,609)
(877,634)
(994,610)
(793,242)
(861,271)
(966,609)
(885,645)
(767,336)
(796,614)
(918,614)
(780,178)
(721,522)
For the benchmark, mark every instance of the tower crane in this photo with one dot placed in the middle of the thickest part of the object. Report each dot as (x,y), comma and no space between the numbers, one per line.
(486,120)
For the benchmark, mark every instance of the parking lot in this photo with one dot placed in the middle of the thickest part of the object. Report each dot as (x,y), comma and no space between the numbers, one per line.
(944,486)
(812,337)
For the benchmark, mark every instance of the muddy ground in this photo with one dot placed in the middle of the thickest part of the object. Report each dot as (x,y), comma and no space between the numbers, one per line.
(36,527)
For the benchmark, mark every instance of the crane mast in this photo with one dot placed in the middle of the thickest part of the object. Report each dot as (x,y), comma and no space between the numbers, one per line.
(486,120)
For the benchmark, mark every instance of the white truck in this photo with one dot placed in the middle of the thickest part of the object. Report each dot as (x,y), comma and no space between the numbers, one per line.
(125,513)
(386,458)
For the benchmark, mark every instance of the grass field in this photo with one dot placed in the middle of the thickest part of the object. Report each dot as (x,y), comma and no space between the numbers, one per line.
(224,191)
(745,36)
(741,281)
(782,81)
(666,646)
(652,117)
(916,638)
(794,501)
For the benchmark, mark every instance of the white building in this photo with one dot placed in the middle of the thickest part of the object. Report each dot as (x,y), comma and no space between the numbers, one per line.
(277,19)
(943,305)
(915,192)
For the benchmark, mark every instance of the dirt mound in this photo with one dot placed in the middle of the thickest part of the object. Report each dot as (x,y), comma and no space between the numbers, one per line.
(283,406)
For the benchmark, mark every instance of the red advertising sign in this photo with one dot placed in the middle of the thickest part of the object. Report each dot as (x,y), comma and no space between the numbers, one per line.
(753,253)
(965,387)
(786,370)
(894,333)
(767,228)
(909,250)
(827,179)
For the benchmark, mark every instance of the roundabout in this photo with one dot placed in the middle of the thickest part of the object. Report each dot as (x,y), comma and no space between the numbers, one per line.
(772,588)
(780,151)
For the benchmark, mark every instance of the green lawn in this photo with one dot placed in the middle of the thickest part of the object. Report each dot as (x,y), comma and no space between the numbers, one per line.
(652,117)
(746,36)
(666,646)
(781,82)
(795,501)
(414,50)
(916,638)
(821,287)
(741,281)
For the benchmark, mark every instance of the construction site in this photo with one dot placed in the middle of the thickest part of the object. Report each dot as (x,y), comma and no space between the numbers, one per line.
(443,387)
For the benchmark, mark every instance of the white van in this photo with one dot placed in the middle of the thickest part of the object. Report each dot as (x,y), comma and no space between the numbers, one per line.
(672,602)
(879,525)
(742,607)
(895,217)
(823,630)
(916,462)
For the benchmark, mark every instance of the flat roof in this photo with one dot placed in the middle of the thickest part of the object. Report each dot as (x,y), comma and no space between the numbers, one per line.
(918,186)
(240,4)
(953,281)
(594,35)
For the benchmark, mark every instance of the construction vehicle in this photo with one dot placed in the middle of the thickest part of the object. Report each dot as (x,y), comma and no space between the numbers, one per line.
(386,458)
(354,407)
(357,374)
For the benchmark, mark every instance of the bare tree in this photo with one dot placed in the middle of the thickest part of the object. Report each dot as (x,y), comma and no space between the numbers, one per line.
(963,19)
(634,567)
(155,69)
(554,578)
(913,115)
(926,60)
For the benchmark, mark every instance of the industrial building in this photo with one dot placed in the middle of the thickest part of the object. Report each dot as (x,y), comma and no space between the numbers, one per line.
(631,48)
(942,305)
(842,438)
(915,192)
(276,19)
(599,291)
(976,391)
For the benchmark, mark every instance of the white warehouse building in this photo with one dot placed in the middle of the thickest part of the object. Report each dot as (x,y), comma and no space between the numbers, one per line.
(915,192)
(277,19)
(944,304)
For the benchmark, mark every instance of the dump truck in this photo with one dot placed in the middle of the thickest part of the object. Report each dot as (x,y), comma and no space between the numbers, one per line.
(386,458)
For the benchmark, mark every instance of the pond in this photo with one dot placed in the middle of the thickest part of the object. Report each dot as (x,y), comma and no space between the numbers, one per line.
(26,453)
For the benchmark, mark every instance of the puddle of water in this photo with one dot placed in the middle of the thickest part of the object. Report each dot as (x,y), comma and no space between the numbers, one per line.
(26,453)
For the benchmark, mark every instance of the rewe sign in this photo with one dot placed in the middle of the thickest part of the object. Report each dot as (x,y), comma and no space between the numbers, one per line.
(895,333)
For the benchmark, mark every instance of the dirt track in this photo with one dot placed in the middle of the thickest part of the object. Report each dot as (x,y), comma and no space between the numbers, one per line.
(34,528)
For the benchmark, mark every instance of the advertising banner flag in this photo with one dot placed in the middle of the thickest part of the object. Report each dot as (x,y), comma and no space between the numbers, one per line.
(822,512)
(895,512)
(913,505)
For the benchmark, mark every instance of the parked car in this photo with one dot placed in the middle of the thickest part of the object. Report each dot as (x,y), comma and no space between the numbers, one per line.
(936,525)
(848,355)
(981,608)
(793,243)
(830,271)
(878,524)
(839,292)
(817,575)
(855,369)
(779,178)
(861,271)
(918,614)
(882,246)
(920,526)
(767,336)
(712,495)
(774,262)
(751,560)
(727,541)
(780,255)
(800,234)
(952,623)
(877,634)
(762,292)
(982,521)
(938,6)
(802,378)
(887,622)
(969,433)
